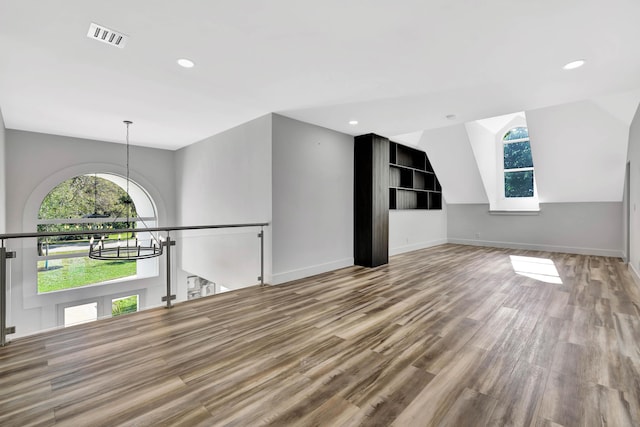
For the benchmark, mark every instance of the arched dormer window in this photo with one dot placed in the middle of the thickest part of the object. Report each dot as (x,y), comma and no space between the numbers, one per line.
(518,164)
(88,202)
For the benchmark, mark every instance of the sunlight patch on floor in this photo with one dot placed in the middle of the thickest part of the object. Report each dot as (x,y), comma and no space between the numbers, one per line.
(542,269)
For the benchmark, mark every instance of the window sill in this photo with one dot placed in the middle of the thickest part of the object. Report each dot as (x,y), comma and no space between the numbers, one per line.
(530,212)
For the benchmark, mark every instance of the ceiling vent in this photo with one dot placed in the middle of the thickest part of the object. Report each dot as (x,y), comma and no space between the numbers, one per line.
(105,35)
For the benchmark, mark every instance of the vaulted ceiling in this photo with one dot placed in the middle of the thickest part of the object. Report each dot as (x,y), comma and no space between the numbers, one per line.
(396,67)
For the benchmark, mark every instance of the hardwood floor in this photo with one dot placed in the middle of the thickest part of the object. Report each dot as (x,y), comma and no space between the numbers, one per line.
(449,335)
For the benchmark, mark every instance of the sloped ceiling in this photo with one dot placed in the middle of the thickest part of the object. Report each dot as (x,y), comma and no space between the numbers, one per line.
(579,153)
(455,166)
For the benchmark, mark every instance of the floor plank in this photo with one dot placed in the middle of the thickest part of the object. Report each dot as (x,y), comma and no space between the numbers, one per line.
(450,335)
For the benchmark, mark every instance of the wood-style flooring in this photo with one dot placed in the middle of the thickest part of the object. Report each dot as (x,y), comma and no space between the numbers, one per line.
(449,335)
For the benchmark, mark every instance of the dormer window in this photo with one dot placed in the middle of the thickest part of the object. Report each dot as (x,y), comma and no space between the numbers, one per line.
(517,164)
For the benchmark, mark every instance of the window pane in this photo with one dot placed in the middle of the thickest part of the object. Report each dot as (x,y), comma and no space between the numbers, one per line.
(85,196)
(518,184)
(517,155)
(516,133)
(124,305)
(58,274)
(82,313)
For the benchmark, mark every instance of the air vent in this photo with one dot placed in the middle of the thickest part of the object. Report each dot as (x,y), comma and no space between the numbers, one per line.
(105,35)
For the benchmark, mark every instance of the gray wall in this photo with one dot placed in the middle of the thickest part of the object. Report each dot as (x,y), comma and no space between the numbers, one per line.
(38,162)
(634,194)
(312,199)
(585,228)
(226,179)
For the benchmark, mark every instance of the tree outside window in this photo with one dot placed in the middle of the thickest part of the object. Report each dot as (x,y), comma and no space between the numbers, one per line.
(518,164)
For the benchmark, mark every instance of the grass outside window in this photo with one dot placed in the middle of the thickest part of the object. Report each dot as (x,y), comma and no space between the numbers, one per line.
(124,305)
(59,274)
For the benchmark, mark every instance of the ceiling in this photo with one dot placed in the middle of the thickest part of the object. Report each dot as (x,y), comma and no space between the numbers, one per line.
(396,67)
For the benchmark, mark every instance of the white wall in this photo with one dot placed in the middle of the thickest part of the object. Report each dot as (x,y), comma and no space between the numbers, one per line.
(312,199)
(3,177)
(449,154)
(410,230)
(483,144)
(579,152)
(38,162)
(633,157)
(226,179)
(585,228)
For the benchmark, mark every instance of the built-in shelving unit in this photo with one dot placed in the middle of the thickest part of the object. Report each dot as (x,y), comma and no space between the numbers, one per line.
(387,175)
(412,181)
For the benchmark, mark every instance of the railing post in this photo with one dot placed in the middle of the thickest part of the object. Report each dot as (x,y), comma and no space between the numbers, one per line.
(4,330)
(168,243)
(261,236)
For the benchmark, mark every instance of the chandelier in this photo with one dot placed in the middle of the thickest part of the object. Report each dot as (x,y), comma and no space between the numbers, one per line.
(129,248)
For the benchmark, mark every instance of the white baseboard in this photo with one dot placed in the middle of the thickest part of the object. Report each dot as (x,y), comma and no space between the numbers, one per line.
(301,273)
(416,246)
(634,273)
(544,248)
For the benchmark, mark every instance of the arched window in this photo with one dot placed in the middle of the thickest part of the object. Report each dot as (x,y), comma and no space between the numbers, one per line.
(83,203)
(518,164)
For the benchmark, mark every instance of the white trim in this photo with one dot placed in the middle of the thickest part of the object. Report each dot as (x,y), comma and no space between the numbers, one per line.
(27,249)
(416,246)
(544,248)
(524,169)
(516,212)
(287,276)
(634,273)
(511,141)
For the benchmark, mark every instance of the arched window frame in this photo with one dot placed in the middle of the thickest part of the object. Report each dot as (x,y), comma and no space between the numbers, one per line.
(147,216)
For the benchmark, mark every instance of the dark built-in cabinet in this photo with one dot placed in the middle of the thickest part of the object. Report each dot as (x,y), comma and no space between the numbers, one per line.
(412,182)
(387,175)
(371,200)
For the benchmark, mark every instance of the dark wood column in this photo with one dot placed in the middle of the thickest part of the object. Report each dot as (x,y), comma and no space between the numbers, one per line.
(371,200)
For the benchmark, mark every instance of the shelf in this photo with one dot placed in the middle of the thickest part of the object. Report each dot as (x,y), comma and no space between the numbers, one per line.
(417,190)
(410,157)
(412,182)
(399,177)
(434,200)
(409,167)
(424,181)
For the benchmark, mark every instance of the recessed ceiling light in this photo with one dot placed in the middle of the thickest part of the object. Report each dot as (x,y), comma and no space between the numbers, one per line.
(574,64)
(353,122)
(450,116)
(186,63)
